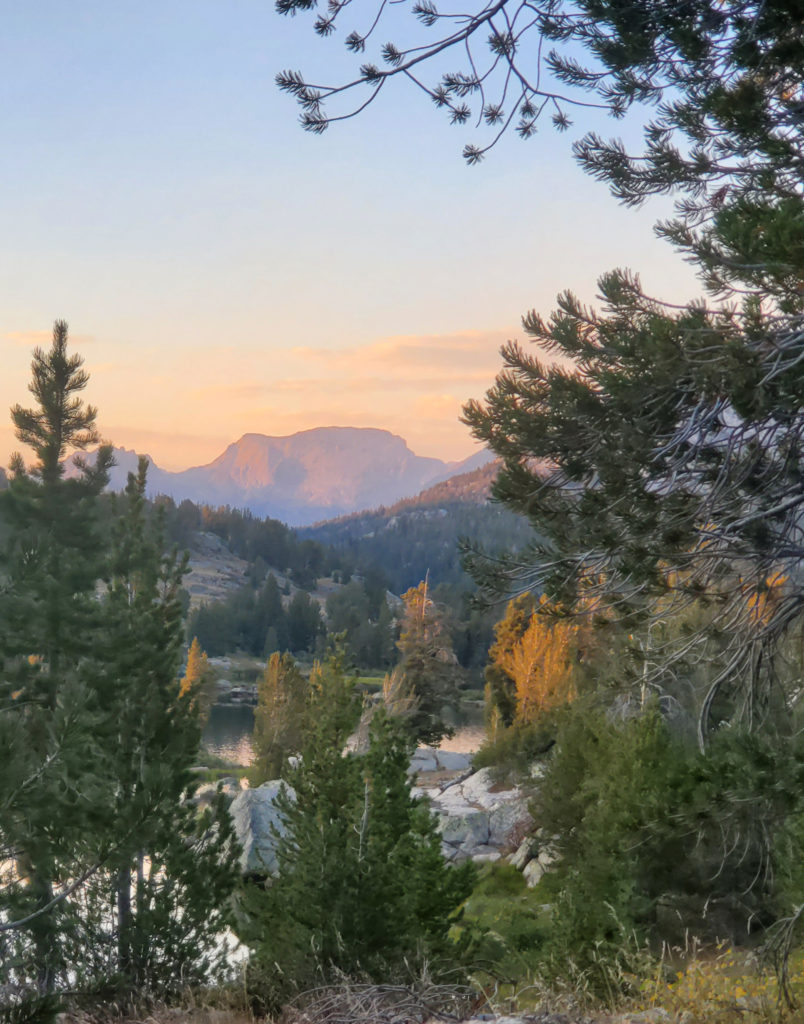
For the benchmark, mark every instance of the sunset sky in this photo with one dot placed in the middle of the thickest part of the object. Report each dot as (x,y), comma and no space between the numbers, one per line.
(222,271)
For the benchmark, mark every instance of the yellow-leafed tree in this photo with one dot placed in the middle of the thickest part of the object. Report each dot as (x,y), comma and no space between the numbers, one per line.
(197,682)
(534,662)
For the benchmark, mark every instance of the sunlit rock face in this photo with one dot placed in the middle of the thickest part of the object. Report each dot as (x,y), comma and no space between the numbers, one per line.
(302,478)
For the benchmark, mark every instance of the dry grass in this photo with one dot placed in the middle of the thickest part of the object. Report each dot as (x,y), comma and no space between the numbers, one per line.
(214,1006)
(353,1003)
(175,1015)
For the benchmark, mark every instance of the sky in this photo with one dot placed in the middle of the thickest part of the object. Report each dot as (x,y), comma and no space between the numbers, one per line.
(224,272)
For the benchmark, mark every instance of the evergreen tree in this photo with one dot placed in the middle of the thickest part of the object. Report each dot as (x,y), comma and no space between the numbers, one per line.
(429,667)
(54,769)
(170,871)
(677,472)
(363,616)
(212,624)
(362,887)
(272,616)
(304,623)
(281,717)
(114,873)
(676,447)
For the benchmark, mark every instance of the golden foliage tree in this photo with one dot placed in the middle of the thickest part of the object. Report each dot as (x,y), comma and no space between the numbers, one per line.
(429,669)
(197,682)
(534,663)
(281,717)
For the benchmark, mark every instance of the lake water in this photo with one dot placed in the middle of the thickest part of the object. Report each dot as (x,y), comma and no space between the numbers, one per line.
(228,734)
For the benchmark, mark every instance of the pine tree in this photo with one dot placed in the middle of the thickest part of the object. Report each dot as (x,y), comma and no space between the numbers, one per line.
(98,743)
(428,666)
(676,446)
(281,718)
(169,872)
(272,617)
(303,621)
(54,768)
(362,888)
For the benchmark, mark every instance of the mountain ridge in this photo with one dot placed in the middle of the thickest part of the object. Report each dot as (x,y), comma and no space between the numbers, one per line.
(300,478)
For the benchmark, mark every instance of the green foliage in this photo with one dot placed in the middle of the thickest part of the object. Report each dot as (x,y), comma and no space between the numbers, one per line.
(252,619)
(362,887)
(503,926)
(656,840)
(257,622)
(428,667)
(109,877)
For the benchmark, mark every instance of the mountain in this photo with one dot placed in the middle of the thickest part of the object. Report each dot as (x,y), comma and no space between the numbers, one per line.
(473,487)
(302,478)
(419,535)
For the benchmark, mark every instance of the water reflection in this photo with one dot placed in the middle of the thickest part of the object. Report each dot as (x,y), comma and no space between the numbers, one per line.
(467,739)
(229,729)
(228,733)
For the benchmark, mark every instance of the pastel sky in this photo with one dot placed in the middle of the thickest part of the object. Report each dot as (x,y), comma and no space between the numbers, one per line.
(222,271)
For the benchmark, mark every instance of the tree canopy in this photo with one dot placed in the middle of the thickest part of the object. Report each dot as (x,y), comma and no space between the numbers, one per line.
(509,64)
(110,877)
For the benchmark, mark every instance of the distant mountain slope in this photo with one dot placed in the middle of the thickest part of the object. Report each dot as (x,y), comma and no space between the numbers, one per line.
(303,478)
(420,534)
(473,487)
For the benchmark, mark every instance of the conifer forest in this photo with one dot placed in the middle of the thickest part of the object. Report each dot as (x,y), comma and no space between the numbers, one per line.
(610,602)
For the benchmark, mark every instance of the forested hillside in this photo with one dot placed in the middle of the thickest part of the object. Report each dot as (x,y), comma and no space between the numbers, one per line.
(419,535)
(257,586)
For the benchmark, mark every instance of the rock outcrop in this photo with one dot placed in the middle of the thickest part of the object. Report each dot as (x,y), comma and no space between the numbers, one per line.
(478,818)
(258,825)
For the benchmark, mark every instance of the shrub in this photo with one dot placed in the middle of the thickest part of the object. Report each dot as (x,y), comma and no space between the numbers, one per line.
(656,840)
(511,751)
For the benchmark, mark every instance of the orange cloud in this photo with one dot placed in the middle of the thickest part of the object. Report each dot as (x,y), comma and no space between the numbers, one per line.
(184,408)
(455,352)
(42,339)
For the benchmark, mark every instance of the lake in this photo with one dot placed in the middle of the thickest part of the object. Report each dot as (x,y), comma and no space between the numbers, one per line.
(228,734)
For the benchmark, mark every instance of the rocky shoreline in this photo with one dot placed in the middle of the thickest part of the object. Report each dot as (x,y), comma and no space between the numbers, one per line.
(479,819)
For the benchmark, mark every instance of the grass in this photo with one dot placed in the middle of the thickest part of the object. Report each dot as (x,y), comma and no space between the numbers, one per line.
(725,988)
(504,931)
(216,768)
(371,682)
